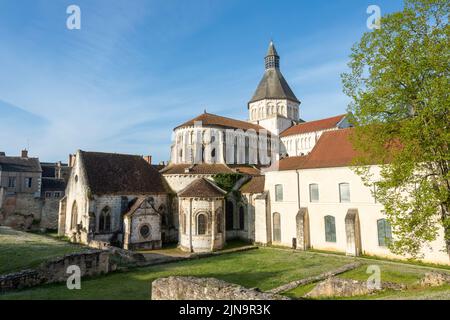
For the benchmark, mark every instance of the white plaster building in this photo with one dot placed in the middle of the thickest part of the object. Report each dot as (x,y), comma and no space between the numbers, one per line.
(318,201)
(312,200)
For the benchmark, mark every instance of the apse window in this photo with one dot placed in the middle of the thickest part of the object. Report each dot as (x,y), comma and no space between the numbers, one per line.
(144,231)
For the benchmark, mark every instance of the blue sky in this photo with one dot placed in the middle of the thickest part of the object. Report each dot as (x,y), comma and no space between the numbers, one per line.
(138,68)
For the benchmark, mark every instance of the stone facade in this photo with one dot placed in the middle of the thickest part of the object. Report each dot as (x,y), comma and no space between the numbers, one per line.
(213,237)
(190,288)
(88,215)
(144,226)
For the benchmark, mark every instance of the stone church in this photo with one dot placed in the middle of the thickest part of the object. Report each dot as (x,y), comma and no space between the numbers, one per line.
(293,185)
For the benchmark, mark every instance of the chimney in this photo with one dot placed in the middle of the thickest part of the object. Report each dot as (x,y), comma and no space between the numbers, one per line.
(71,160)
(24,153)
(148,159)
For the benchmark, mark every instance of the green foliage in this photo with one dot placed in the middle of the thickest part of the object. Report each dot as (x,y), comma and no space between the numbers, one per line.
(399,86)
(227,181)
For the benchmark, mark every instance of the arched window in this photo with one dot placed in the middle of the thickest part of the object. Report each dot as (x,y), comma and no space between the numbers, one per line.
(104,224)
(330,229)
(201,224)
(276,227)
(229,215)
(241,218)
(384,232)
(74,220)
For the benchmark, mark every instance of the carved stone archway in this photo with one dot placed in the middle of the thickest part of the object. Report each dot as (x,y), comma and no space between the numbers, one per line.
(303,233)
(353,233)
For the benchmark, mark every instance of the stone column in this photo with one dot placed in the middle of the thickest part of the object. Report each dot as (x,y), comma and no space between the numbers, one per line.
(213,224)
(190,225)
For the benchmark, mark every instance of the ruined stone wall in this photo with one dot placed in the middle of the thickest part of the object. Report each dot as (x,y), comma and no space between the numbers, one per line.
(49,215)
(21,211)
(191,288)
(91,263)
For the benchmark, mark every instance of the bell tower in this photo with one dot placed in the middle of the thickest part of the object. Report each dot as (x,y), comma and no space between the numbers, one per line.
(273,106)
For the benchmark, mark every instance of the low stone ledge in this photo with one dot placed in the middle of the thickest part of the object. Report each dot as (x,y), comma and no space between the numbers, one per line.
(191,288)
(92,262)
(320,277)
(434,279)
(338,287)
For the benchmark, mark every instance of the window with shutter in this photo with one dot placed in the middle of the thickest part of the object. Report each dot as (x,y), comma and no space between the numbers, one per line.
(384,232)
(278,192)
(330,229)
(313,192)
(344,192)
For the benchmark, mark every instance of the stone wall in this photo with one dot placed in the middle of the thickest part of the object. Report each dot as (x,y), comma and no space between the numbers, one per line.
(91,263)
(49,215)
(21,211)
(191,288)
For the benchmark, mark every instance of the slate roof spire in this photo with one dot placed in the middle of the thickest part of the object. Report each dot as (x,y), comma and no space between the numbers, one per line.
(273,85)
(272,59)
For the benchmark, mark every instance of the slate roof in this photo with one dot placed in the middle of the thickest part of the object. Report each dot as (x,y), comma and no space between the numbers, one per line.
(202,188)
(121,174)
(273,86)
(202,168)
(52,184)
(311,126)
(19,164)
(209,119)
(255,185)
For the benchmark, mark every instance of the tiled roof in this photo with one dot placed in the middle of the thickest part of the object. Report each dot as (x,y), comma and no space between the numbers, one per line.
(202,188)
(110,173)
(312,126)
(19,164)
(334,149)
(209,119)
(255,185)
(203,168)
(246,169)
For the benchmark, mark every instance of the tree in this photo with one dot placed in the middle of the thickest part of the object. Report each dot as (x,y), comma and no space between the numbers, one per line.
(399,88)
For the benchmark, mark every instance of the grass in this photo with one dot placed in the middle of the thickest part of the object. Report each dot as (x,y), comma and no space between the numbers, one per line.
(390,272)
(264,268)
(21,250)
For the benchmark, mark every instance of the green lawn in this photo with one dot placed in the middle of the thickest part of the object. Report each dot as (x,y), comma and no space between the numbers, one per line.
(390,272)
(22,250)
(264,268)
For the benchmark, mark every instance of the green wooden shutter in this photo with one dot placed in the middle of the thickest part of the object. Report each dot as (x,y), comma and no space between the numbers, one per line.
(388,232)
(381,225)
(333,229)
(330,229)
